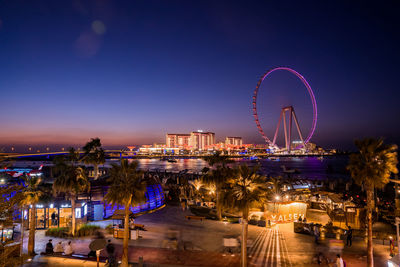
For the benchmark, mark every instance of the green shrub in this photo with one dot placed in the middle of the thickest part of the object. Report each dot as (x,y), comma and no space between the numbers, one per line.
(58,232)
(87,230)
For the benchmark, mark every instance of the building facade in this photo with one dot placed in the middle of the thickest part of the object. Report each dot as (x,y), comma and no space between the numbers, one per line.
(177,140)
(197,140)
(201,140)
(234,141)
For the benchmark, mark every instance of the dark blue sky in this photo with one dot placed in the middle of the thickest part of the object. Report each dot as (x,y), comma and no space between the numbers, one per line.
(130,71)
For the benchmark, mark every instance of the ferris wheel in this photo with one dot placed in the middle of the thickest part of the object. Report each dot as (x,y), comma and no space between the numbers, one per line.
(289,110)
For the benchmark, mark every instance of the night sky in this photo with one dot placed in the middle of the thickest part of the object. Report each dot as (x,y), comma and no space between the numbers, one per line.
(131,71)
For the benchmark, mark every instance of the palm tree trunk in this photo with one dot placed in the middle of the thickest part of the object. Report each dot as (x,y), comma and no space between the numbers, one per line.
(73,226)
(219,208)
(125,258)
(96,171)
(244,237)
(32,231)
(370,251)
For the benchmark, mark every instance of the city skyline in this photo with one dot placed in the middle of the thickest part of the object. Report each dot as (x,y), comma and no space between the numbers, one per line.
(129,77)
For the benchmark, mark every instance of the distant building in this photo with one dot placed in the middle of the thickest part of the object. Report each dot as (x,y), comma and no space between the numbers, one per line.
(177,140)
(197,140)
(234,141)
(200,140)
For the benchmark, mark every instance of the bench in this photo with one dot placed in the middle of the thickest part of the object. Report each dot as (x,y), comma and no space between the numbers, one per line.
(74,256)
(191,217)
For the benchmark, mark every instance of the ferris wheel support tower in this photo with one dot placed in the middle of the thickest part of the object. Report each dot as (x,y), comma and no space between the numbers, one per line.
(287,128)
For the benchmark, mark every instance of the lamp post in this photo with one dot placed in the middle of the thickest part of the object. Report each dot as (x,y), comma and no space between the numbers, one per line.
(397,234)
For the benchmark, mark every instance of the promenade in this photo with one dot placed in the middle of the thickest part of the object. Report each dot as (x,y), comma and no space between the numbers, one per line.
(201,244)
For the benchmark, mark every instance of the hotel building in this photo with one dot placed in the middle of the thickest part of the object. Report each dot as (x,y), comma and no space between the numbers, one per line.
(234,141)
(197,140)
(177,140)
(200,140)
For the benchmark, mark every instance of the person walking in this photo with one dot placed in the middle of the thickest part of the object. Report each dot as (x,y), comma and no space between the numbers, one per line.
(349,238)
(53,219)
(110,248)
(339,261)
(316,234)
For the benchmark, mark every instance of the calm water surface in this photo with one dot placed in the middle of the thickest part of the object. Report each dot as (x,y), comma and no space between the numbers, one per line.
(306,167)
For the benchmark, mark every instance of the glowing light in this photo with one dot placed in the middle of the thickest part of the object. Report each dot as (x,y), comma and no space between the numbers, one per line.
(310,92)
(277,197)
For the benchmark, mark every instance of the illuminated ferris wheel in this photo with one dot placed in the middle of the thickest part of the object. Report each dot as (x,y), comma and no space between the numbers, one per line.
(287,114)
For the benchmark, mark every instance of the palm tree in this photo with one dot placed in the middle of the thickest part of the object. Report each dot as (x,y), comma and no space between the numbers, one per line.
(71,181)
(217,159)
(30,197)
(73,155)
(197,184)
(217,176)
(246,189)
(371,168)
(94,154)
(127,189)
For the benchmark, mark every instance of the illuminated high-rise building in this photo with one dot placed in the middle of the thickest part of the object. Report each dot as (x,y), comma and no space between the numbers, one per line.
(177,140)
(234,141)
(197,140)
(200,140)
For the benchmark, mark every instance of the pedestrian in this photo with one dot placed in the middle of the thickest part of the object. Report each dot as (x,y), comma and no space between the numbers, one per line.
(320,258)
(316,234)
(349,238)
(49,247)
(339,261)
(68,250)
(300,219)
(53,219)
(58,248)
(110,248)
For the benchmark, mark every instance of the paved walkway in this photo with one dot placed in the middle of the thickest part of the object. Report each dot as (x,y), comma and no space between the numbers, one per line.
(203,241)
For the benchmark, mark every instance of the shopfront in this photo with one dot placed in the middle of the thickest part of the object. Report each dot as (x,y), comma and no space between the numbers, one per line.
(56,215)
(285,212)
(7,234)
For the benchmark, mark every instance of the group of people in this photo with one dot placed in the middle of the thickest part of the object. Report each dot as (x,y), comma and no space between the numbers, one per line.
(59,248)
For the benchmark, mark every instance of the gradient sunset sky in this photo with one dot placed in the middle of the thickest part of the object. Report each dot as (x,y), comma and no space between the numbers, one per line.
(131,71)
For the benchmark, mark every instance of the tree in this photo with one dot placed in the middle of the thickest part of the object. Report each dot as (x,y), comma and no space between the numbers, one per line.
(218,176)
(73,155)
(94,154)
(30,197)
(127,189)
(71,181)
(371,168)
(247,188)
(10,198)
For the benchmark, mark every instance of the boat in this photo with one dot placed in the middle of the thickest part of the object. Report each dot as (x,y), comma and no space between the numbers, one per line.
(172,160)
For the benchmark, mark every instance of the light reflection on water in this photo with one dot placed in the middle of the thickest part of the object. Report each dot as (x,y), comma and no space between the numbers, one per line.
(308,167)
